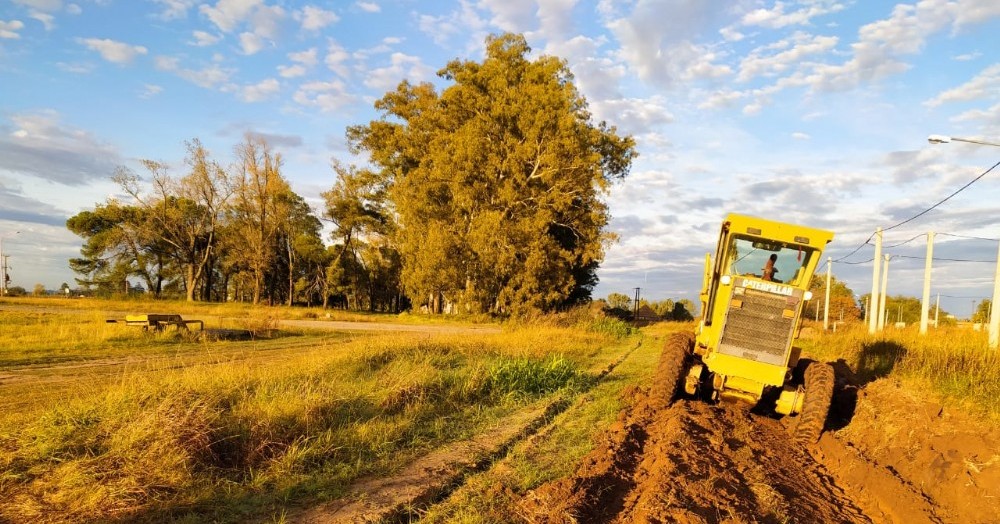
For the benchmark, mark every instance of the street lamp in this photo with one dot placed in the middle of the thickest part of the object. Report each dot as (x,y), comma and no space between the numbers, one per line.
(3,266)
(942,139)
(994,340)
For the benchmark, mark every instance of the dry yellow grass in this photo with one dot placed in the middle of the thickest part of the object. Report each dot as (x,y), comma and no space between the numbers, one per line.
(225,435)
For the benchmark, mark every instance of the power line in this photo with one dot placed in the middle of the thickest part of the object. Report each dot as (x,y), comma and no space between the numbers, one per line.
(943,200)
(945,259)
(905,241)
(856,263)
(968,237)
(920,214)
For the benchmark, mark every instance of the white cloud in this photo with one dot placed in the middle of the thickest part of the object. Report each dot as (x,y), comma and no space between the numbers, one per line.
(802,45)
(75,67)
(990,117)
(260,91)
(731,35)
(175,9)
(208,77)
(967,56)
(40,145)
(227,15)
(369,7)
(721,99)
(776,17)
(314,18)
(634,115)
(401,67)
(204,39)
(656,42)
(46,19)
(464,21)
(307,57)
(798,135)
(251,43)
(984,85)
(291,71)
(73,9)
(336,58)
(516,16)
(150,90)
(113,51)
(47,6)
(327,96)
(266,21)
(10,29)
(555,18)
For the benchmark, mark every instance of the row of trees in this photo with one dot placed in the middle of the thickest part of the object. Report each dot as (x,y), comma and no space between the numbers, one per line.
(485,197)
(623,306)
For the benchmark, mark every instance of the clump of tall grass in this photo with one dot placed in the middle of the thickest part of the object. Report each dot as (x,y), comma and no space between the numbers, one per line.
(954,361)
(612,326)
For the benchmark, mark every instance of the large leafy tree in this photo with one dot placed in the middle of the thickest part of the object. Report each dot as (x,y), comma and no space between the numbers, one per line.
(496,182)
(261,205)
(182,214)
(116,247)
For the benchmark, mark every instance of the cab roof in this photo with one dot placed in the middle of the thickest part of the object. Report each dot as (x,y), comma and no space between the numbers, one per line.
(781,231)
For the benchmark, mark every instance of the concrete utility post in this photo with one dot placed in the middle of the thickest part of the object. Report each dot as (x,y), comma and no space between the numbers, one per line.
(826,303)
(874,302)
(881,297)
(925,303)
(937,310)
(994,315)
(3,266)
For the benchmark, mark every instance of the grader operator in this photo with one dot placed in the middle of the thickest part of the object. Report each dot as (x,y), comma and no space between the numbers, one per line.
(752,301)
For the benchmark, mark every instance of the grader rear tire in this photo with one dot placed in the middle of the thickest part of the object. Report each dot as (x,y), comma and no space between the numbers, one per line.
(673,364)
(819,391)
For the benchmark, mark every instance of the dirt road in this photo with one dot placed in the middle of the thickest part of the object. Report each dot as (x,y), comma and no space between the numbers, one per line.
(692,462)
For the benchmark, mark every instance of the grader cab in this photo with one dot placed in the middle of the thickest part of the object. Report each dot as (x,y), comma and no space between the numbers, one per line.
(754,293)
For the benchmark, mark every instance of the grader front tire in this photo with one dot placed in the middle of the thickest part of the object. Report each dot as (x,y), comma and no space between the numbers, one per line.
(819,392)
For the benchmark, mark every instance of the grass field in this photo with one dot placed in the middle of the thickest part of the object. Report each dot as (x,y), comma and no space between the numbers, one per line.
(953,363)
(103,422)
(111,423)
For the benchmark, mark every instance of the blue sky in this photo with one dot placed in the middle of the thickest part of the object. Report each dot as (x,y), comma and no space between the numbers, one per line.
(811,111)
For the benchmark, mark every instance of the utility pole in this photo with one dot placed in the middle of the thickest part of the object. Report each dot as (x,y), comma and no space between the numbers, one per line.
(925,303)
(937,310)
(873,319)
(5,269)
(826,303)
(635,307)
(881,298)
(994,316)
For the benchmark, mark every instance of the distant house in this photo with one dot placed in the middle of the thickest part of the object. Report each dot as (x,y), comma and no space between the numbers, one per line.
(646,315)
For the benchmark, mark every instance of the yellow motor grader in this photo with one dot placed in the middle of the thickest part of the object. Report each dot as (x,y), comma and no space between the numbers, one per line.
(752,302)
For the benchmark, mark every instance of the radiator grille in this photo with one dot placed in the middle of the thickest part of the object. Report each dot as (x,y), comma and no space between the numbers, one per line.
(757,329)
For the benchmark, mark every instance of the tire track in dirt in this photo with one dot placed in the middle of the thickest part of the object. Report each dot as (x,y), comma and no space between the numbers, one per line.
(694,462)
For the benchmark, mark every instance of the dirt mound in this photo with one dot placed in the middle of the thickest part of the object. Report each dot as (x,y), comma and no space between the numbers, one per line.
(693,462)
(888,456)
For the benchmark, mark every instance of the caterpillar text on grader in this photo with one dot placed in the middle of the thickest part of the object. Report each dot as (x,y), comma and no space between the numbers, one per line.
(752,302)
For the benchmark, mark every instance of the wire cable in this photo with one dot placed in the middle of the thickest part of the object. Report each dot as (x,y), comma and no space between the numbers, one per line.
(936,259)
(968,237)
(905,241)
(943,200)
